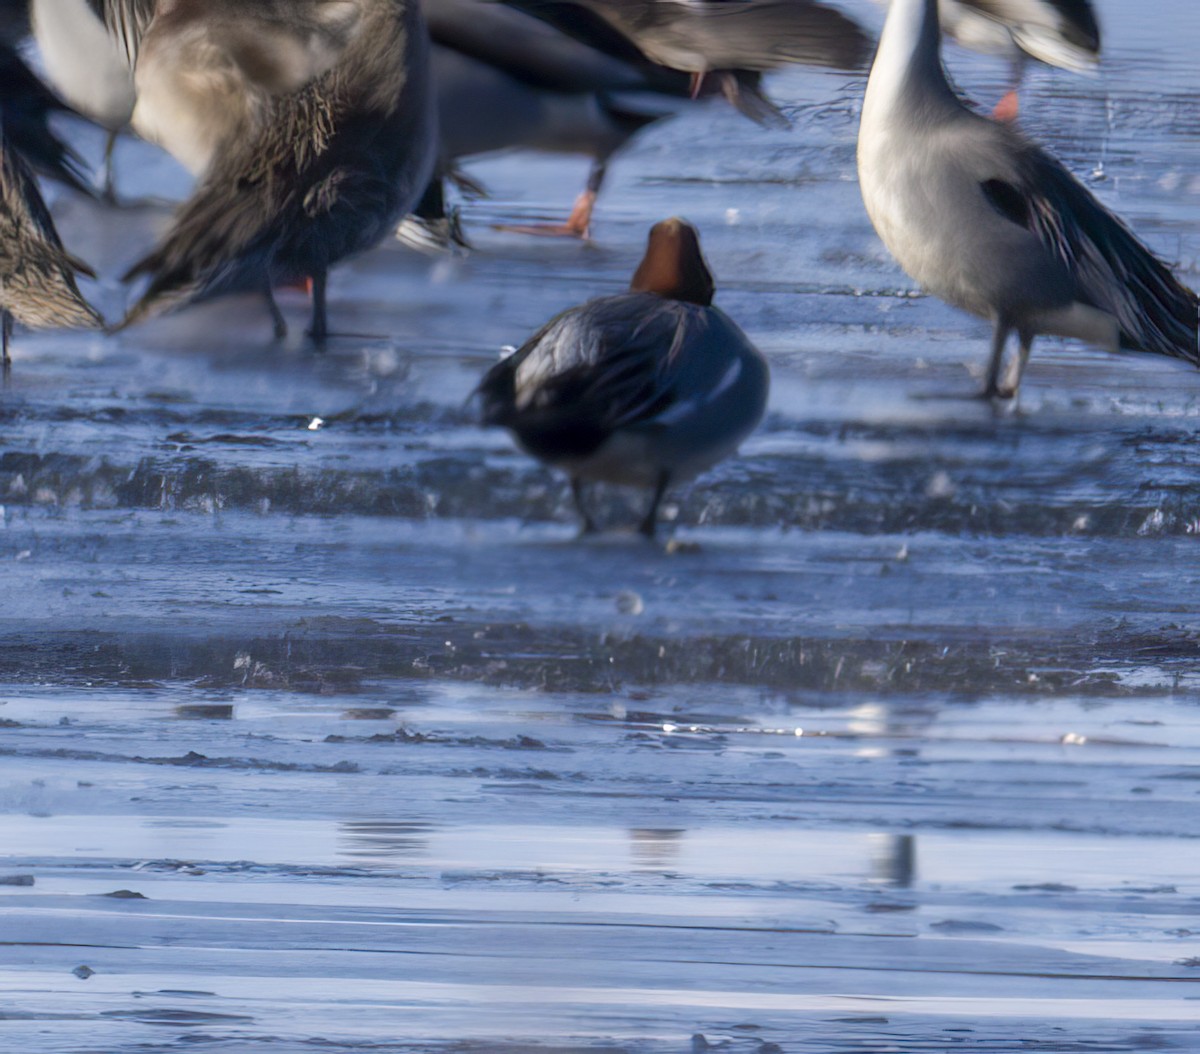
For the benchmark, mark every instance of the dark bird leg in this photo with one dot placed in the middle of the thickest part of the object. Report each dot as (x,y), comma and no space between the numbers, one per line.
(431,227)
(649,525)
(319,329)
(579,223)
(588,525)
(109,192)
(277,319)
(6,328)
(999,340)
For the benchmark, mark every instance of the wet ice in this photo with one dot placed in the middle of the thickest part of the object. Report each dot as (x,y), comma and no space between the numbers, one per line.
(399,766)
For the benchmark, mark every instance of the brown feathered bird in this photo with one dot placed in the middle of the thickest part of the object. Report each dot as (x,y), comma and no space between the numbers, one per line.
(37,275)
(320,126)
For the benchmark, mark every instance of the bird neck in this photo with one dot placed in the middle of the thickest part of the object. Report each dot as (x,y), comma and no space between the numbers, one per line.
(907,70)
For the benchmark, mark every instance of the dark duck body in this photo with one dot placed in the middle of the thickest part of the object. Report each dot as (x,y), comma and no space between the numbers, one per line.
(647,388)
(323,133)
(507,80)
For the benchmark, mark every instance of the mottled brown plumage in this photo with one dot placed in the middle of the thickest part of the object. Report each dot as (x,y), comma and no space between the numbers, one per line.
(301,177)
(37,275)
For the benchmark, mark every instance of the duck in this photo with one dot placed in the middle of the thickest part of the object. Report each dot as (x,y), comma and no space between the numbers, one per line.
(1061,33)
(314,126)
(88,68)
(37,275)
(982,217)
(646,388)
(507,80)
(555,76)
(727,43)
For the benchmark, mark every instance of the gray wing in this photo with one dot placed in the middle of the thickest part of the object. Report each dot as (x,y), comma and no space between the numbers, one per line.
(1112,270)
(754,35)
(526,48)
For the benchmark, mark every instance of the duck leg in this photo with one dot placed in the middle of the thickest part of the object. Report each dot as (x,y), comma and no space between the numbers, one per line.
(319,329)
(1016,369)
(579,223)
(587,525)
(999,340)
(109,191)
(649,525)
(431,227)
(1008,109)
(277,319)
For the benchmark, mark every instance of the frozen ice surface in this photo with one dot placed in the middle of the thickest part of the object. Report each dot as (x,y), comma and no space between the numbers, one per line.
(899,751)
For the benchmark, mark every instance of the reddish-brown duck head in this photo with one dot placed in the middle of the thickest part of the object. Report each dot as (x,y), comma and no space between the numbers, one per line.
(673,265)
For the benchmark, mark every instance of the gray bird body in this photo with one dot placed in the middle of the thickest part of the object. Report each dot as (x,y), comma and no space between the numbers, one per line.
(983,218)
(37,275)
(647,388)
(506,80)
(327,136)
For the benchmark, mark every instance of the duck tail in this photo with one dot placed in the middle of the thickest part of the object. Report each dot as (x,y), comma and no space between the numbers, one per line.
(1166,315)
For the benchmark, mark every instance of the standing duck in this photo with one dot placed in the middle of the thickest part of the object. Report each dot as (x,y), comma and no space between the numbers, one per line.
(88,67)
(37,275)
(647,388)
(573,76)
(980,216)
(313,123)
(505,79)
